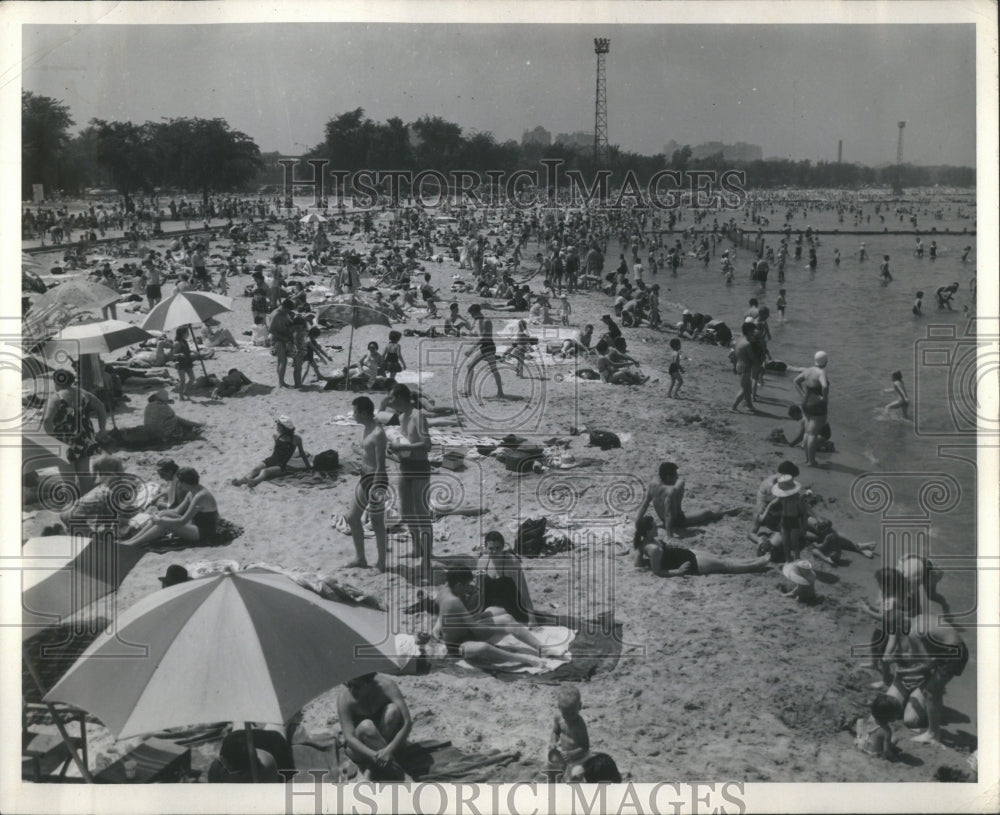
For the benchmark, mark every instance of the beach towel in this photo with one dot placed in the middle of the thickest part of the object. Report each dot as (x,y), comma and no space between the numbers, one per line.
(555,638)
(442,761)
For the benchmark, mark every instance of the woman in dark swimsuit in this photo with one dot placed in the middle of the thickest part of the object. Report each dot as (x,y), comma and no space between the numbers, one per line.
(184,362)
(674,561)
(814,385)
(486,351)
(286,442)
(194,520)
(68,419)
(392,360)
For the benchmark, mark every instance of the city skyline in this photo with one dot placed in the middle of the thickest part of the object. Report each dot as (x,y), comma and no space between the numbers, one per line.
(795,89)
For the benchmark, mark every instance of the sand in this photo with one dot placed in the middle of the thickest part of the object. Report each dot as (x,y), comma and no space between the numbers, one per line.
(720,676)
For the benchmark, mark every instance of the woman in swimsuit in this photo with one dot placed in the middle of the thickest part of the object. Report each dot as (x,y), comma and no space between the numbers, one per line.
(487,350)
(184,362)
(392,361)
(674,561)
(814,385)
(504,584)
(286,442)
(194,520)
(794,513)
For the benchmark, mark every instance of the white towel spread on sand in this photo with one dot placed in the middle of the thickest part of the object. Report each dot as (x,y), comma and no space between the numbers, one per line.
(555,638)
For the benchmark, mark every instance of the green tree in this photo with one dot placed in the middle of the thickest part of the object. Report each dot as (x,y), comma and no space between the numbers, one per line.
(439,144)
(45,123)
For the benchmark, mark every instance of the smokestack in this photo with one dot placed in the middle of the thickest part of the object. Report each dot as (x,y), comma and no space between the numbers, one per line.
(840,150)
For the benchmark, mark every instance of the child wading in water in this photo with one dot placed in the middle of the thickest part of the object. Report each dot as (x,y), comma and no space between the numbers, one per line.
(780,304)
(918,304)
(675,369)
(392,361)
(569,745)
(903,400)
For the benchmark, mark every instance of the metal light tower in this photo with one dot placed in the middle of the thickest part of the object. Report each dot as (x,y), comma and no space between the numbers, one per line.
(899,159)
(601,47)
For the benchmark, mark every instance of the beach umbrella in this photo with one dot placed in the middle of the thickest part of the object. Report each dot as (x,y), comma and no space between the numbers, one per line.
(63,573)
(28,263)
(185,308)
(313,218)
(351,310)
(76,294)
(95,338)
(41,450)
(250,646)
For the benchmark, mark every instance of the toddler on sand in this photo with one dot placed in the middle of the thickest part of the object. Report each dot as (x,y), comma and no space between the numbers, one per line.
(570,743)
(874,734)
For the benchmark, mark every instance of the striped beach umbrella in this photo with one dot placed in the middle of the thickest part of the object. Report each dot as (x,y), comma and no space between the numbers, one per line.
(94,338)
(250,646)
(186,308)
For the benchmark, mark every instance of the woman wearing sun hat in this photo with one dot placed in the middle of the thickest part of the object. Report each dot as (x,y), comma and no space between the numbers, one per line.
(286,442)
(794,514)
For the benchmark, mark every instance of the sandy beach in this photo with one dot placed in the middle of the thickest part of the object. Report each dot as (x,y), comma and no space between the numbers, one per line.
(719,676)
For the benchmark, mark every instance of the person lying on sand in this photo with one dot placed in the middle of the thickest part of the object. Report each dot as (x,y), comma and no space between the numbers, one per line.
(471,632)
(286,443)
(376,722)
(674,561)
(827,545)
(194,520)
(666,494)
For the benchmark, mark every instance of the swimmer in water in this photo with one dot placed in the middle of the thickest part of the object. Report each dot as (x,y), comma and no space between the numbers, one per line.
(836,257)
(862,252)
(883,271)
(780,304)
(965,254)
(918,304)
(903,400)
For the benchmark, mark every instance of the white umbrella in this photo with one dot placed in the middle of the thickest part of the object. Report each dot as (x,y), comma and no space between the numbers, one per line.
(95,338)
(313,218)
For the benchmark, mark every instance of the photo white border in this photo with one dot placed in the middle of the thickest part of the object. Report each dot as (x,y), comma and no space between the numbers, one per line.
(982,796)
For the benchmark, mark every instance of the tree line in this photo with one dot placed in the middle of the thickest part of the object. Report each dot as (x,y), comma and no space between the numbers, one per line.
(207,156)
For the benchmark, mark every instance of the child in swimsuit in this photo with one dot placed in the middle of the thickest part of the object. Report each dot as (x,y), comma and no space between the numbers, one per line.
(569,732)
(780,304)
(903,400)
(371,363)
(392,360)
(874,734)
(675,369)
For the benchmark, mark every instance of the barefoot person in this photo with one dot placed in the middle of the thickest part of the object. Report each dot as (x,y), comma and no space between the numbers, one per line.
(194,520)
(414,474)
(370,494)
(902,400)
(665,495)
(743,358)
(814,386)
(471,632)
(286,442)
(375,721)
(665,560)
(486,350)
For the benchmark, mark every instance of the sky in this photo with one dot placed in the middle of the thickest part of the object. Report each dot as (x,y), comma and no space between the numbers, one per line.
(794,90)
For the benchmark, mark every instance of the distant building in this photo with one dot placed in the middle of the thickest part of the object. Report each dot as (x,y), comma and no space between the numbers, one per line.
(741,151)
(537,136)
(581,139)
(671,147)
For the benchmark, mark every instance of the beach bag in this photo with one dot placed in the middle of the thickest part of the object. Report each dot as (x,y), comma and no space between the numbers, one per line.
(530,540)
(326,462)
(604,439)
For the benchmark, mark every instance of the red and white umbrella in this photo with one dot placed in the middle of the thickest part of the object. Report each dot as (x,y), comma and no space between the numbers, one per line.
(250,646)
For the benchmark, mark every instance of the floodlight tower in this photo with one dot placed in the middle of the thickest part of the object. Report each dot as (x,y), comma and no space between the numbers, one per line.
(601,47)
(899,159)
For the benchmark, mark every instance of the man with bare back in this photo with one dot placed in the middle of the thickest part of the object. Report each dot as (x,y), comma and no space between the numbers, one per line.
(371,491)
(411,449)
(665,494)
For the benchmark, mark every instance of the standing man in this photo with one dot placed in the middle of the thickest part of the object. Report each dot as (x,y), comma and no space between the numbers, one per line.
(154,293)
(743,360)
(414,475)
(280,330)
(370,494)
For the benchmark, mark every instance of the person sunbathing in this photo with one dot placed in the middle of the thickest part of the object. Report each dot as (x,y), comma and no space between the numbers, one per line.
(194,520)
(471,632)
(665,560)
(666,494)
(375,721)
(286,442)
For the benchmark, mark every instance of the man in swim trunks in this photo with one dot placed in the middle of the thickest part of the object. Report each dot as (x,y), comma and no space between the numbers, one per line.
(370,494)
(665,494)
(744,361)
(414,474)
(375,721)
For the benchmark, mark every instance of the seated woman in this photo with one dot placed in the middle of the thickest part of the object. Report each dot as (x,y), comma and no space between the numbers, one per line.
(503,579)
(376,722)
(215,336)
(286,442)
(161,424)
(194,519)
(470,631)
(106,506)
(169,497)
(665,560)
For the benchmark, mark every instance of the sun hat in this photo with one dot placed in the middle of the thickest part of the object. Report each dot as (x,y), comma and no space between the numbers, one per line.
(686,312)
(175,574)
(799,572)
(285,422)
(160,396)
(785,486)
